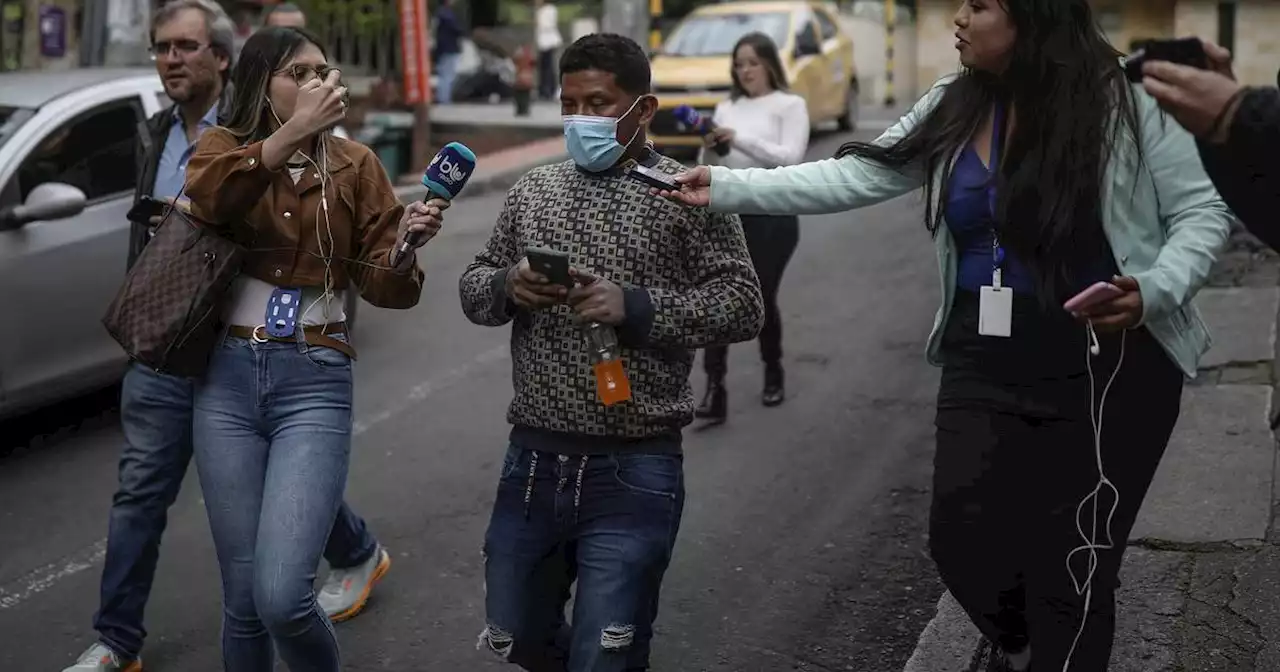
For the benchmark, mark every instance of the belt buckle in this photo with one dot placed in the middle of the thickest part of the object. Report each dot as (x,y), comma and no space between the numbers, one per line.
(255,337)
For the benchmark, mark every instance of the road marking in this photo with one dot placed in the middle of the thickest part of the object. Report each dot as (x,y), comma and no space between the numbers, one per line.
(43,578)
(429,387)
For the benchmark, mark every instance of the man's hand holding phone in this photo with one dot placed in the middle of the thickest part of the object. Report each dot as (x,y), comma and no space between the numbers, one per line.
(532,290)
(1107,310)
(1204,101)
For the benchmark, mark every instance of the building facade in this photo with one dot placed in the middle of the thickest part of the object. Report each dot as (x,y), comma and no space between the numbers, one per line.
(1249,28)
(61,34)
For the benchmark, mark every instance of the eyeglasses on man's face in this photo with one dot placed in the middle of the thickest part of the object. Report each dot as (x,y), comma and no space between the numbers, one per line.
(183,48)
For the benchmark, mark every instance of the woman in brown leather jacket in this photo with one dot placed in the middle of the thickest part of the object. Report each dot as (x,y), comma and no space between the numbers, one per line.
(272,428)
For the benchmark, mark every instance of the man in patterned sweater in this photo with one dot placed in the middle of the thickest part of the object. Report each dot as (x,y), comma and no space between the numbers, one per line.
(602,484)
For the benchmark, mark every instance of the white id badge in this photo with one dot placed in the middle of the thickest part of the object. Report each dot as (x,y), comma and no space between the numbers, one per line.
(995,311)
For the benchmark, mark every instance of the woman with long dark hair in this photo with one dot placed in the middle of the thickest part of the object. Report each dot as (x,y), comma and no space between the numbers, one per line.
(761,125)
(1044,172)
(272,425)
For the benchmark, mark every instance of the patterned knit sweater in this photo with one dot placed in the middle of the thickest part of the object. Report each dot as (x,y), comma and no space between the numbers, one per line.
(688,283)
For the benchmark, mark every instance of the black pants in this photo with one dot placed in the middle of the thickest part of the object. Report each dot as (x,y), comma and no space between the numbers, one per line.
(547,80)
(771,240)
(1015,456)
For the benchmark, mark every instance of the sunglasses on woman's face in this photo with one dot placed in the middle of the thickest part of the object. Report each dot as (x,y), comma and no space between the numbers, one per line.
(303,73)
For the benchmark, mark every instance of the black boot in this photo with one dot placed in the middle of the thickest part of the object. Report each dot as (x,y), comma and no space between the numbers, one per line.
(715,404)
(774,387)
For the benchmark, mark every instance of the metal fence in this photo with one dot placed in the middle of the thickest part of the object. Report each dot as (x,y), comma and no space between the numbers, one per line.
(364,37)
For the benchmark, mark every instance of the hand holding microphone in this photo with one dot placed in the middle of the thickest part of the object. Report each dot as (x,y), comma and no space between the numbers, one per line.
(445,176)
(703,126)
(421,222)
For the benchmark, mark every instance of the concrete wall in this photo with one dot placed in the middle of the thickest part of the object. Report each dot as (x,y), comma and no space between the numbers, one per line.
(935,39)
(868,34)
(1257,42)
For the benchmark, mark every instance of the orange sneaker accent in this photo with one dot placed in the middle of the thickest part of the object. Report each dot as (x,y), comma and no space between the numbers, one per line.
(384,563)
(135,666)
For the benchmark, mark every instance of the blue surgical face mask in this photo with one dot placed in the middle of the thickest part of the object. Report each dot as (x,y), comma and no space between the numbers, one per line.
(593,141)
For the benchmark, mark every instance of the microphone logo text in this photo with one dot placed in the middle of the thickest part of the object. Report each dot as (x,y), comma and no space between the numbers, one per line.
(451,171)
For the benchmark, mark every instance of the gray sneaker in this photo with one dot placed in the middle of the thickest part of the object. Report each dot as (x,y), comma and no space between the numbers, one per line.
(346,591)
(99,658)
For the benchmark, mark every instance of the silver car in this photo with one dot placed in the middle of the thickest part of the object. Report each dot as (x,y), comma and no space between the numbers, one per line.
(67,173)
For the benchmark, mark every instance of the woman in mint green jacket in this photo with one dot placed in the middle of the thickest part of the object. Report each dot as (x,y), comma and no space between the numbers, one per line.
(1044,172)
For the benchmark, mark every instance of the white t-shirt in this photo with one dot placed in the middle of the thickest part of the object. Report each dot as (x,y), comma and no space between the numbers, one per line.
(769,131)
(547,22)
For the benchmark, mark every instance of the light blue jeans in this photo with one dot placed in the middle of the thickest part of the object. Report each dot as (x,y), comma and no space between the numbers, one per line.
(446,75)
(272,438)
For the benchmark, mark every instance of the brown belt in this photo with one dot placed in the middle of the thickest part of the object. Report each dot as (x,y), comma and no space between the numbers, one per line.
(317,335)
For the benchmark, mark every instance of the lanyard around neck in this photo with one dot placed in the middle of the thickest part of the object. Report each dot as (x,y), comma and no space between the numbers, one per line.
(993,171)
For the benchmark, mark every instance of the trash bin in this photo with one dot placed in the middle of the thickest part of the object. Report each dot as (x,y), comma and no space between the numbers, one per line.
(390,136)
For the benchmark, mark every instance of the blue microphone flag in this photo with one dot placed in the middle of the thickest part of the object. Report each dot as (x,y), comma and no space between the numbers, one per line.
(449,171)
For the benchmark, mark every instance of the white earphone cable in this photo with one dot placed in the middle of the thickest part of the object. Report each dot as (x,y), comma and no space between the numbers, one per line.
(1091,545)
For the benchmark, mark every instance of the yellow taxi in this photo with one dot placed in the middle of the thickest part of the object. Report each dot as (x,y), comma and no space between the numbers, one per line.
(692,67)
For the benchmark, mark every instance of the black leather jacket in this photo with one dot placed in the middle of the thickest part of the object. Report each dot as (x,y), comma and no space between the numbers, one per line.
(1246,169)
(152,135)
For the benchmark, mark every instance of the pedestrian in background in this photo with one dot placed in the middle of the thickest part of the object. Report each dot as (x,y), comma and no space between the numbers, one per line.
(763,125)
(548,38)
(448,50)
(289,15)
(1238,132)
(1045,171)
(603,479)
(285,15)
(319,215)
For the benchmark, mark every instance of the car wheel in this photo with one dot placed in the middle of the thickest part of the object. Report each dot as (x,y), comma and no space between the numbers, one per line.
(849,120)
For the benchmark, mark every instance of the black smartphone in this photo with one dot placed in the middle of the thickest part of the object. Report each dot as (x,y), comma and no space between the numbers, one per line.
(1183,51)
(146,208)
(553,264)
(654,178)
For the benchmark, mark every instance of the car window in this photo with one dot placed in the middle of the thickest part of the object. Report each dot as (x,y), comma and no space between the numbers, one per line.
(715,34)
(94,152)
(826,26)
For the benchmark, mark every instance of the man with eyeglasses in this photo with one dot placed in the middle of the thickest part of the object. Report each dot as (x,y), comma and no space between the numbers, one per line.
(192,45)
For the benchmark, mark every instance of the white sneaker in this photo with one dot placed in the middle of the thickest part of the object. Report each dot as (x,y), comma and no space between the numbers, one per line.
(100,658)
(346,591)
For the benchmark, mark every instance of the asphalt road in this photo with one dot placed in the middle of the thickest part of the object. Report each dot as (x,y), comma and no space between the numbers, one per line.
(803,543)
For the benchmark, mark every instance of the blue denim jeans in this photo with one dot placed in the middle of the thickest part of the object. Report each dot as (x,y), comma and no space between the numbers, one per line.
(155,415)
(614,520)
(272,437)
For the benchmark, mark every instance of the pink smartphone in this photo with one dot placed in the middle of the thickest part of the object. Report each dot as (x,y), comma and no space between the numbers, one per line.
(1097,293)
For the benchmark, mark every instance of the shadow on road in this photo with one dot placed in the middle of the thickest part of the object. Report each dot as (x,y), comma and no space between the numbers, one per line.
(48,426)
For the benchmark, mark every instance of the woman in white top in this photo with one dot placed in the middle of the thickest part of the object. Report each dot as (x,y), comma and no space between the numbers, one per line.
(547,35)
(763,126)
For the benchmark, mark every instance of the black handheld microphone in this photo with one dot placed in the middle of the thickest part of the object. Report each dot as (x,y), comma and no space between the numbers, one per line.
(445,176)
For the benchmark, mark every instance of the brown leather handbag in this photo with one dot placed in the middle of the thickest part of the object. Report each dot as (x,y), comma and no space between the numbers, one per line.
(167,313)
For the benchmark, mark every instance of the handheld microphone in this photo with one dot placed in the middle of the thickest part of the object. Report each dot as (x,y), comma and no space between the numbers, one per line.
(688,116)
(445,176)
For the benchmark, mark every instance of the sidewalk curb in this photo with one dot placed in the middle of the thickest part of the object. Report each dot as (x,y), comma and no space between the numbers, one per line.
(949,643)
(485,184)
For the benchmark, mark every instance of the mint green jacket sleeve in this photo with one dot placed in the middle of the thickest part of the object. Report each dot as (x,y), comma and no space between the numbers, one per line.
(1194,218)
(820,187)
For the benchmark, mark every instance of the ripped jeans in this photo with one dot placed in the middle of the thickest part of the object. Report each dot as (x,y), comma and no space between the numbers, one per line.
(619,515)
